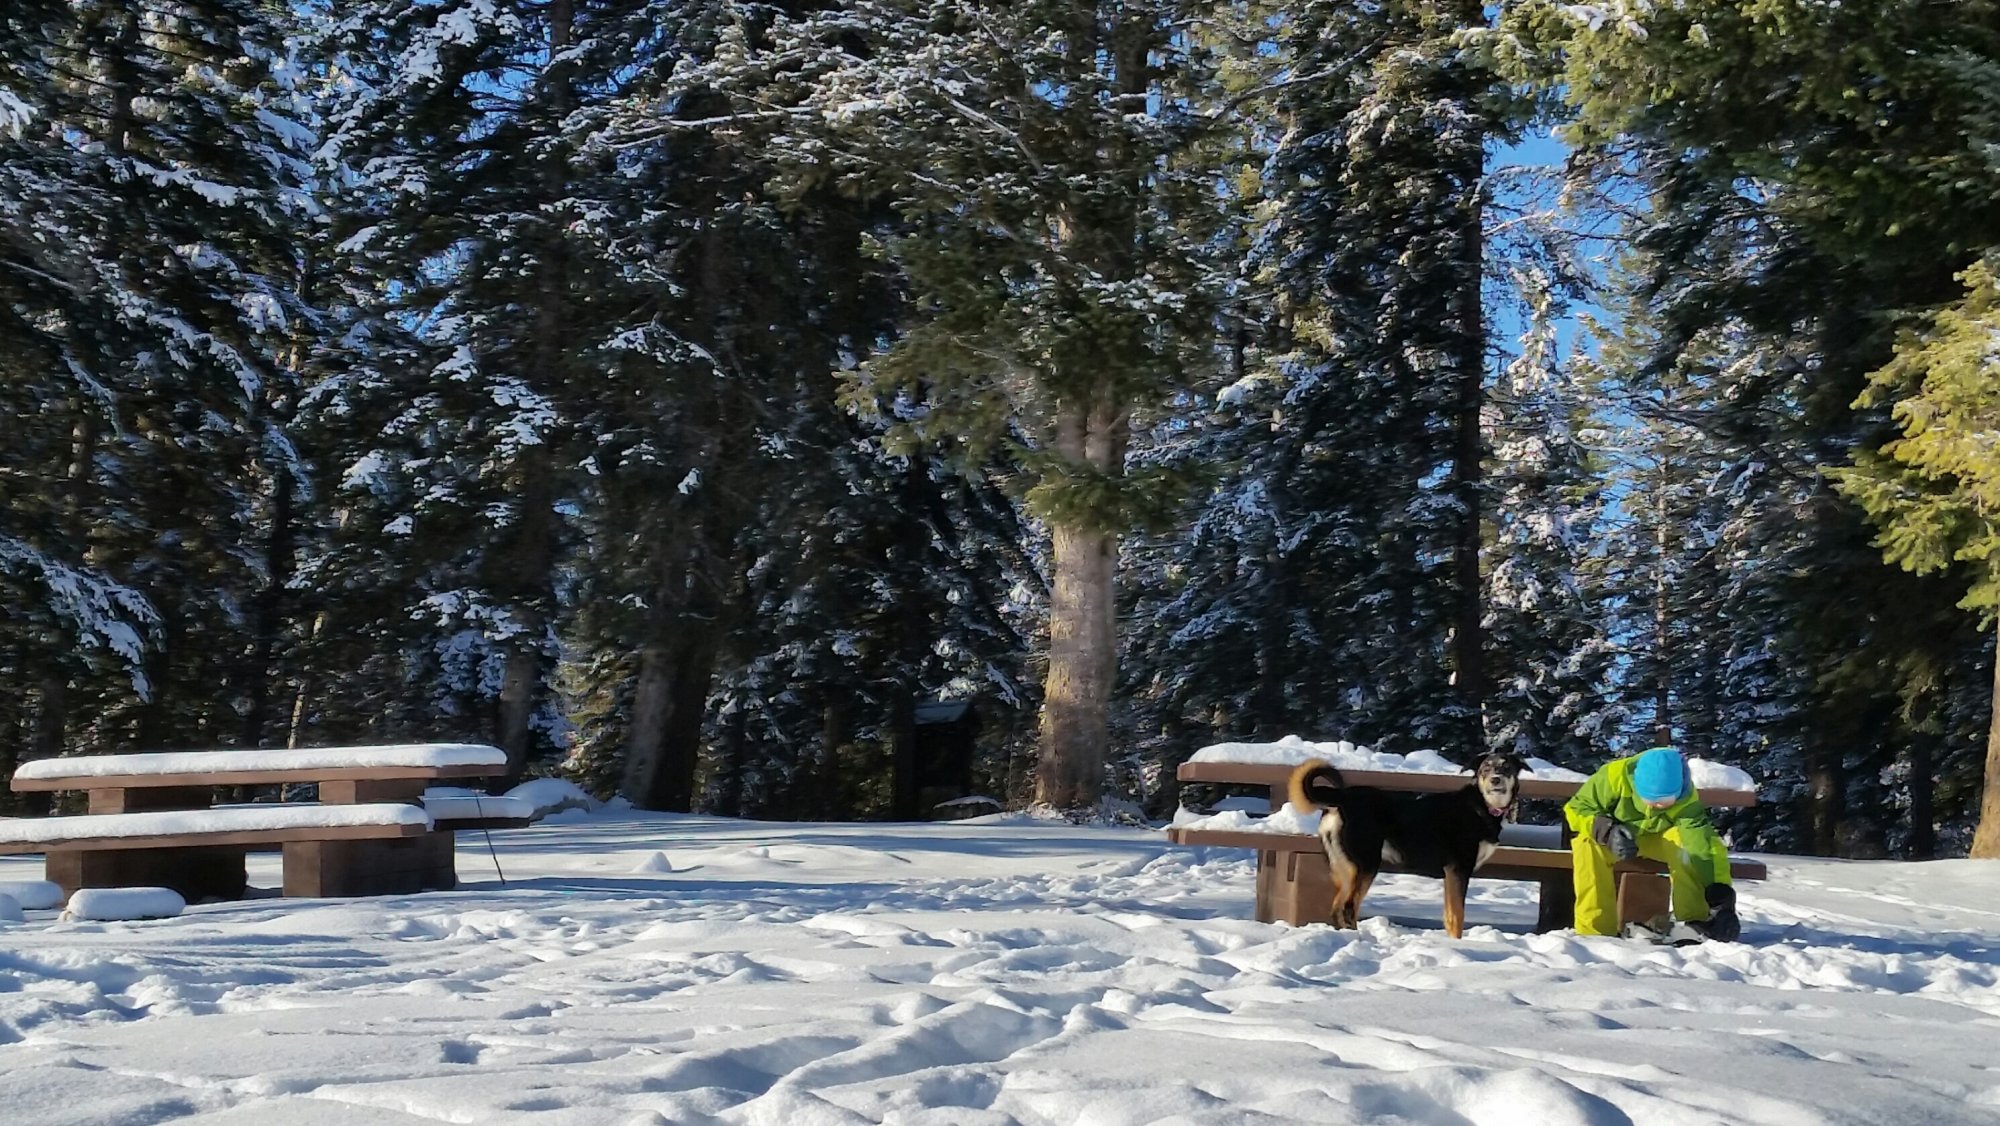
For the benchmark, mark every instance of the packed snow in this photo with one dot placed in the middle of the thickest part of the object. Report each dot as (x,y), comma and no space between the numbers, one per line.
(117,905)
(650,968)
(416,756)
(445,803)
(1292,750)
(1289,819)
(550,795)
(32,894)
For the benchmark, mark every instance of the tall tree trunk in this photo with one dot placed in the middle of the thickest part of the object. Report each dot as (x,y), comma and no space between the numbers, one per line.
(1663,717)
(1083,642)
(1269,718)
(646,731)
(663,740)
(531,555)
(267,618)
(1468,642)
(45,740)
(680,749)
(1468,634)
(1923,788)
(525,562)
(1826,791)
(1986,839)
(903,752)
(819,784)
(1922,843)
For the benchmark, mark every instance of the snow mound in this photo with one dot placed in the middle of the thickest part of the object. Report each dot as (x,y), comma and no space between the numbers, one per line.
(122,904)
(1287,818)
(1292,750)
(657,862)
(551,795)
(33,895)
(1719,776)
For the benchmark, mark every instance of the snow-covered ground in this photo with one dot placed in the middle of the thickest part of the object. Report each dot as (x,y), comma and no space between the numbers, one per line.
(643,968)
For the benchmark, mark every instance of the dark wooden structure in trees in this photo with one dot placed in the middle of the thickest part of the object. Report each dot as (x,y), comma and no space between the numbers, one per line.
(945,737)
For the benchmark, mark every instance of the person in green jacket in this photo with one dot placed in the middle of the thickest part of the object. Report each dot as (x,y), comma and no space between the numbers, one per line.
(1646,805)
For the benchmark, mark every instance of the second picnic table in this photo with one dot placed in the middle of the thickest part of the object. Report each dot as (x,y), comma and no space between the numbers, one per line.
(145,822)
(1295,886)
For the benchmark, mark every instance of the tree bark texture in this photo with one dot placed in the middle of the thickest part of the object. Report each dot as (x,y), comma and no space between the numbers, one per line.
(1468,641)
(652,701)
(1083,635)
(1986,838)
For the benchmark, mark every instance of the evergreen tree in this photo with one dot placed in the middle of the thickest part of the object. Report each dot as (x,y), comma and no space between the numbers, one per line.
(1333,580)
(1551,648)
(479,216)
(1935,489)
(152,189)
(1037,152)
(1820,187)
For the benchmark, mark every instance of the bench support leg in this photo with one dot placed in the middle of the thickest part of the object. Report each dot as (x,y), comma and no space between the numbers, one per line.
(147,798)
(1558,907)
(397,866)
(350,792)
(205,872)
(1644,897)
(1294,887)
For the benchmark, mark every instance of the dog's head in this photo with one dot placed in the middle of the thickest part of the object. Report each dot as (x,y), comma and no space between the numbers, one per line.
(1498,778)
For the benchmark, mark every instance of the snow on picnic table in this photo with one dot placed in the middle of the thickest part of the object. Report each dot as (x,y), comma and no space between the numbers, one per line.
(648,968)
(1292,750)
(400,755)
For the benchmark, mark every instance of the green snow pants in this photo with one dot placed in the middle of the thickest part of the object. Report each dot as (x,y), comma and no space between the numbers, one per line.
(1695,858)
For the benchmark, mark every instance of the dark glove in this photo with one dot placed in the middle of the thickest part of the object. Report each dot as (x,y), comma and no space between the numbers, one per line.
(1616,836)
(1722,924)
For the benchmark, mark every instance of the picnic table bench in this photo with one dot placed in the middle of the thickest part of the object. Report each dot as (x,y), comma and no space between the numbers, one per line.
(152,819)
(1295,884)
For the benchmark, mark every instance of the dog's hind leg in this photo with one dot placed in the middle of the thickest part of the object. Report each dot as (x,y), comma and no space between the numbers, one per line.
(1363,880)
(1343,893)
(1344,872)
(1454,902)
(1344,897)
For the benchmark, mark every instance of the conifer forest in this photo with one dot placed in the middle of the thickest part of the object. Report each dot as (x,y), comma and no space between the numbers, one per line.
(696,397)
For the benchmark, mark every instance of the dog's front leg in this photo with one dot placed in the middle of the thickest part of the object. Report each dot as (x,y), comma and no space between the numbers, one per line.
(1454,902)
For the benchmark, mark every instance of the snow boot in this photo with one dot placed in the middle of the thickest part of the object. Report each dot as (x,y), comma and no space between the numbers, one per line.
(1722,924)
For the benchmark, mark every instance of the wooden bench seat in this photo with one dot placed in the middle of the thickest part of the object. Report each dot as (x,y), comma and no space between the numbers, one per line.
(187,779)
(199,853)
(1295,885)
(226,825)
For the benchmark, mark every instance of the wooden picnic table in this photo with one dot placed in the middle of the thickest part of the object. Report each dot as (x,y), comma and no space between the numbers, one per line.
(1295,885)
(129,836)
(1274,775)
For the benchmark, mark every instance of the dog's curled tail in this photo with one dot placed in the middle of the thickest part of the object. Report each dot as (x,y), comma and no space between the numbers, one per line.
(1314,784)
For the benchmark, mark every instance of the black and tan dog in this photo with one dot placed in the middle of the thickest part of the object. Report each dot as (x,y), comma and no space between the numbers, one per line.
(1446,835)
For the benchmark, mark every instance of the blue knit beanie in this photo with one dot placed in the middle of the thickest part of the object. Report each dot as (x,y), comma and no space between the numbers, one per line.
(1659,775)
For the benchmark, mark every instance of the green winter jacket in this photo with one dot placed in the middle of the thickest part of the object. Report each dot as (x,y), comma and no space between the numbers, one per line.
(1609,793)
